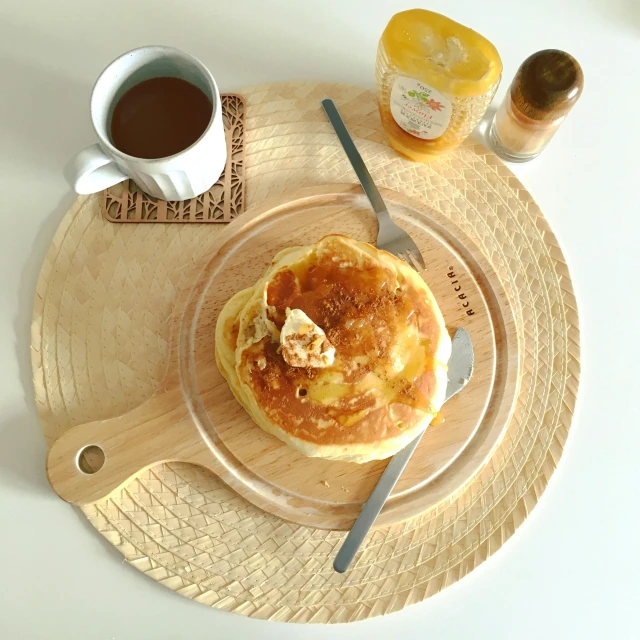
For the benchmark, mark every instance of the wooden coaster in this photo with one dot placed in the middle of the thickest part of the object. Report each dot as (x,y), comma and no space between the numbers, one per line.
(126,202)
(100,345)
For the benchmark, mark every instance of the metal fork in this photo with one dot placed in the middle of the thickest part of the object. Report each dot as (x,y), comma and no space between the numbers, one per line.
(391,237)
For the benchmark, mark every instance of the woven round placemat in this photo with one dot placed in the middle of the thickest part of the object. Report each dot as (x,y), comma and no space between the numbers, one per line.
(99,342)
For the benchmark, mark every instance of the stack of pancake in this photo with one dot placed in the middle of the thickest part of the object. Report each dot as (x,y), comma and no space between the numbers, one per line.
(339,350)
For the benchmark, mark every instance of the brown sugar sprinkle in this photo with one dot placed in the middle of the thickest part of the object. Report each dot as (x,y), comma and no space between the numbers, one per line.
(310,372)
(336,337)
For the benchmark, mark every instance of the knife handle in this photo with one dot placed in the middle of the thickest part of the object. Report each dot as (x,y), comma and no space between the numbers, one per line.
(373,506)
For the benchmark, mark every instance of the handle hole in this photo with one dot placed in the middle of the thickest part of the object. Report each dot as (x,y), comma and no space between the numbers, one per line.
(91,459)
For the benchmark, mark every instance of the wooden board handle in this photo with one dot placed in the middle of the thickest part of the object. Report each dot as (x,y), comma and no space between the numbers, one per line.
(159,430)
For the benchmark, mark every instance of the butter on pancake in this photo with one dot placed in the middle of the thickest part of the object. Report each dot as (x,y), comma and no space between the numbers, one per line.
(339,350)
(303,343)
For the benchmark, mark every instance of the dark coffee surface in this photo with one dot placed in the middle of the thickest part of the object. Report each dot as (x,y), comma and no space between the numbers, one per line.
(160,117)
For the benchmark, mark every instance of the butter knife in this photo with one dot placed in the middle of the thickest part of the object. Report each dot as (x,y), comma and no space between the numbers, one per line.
(460,370)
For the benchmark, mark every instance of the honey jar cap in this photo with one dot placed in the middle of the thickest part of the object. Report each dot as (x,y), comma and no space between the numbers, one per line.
(547,85)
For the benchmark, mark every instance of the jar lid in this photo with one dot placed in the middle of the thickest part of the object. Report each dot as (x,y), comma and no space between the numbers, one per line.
(547,85)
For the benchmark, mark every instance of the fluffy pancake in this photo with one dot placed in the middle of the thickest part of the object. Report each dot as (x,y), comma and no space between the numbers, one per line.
(389,375)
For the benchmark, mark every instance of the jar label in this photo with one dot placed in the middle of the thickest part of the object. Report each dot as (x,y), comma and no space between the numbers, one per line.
(419,109)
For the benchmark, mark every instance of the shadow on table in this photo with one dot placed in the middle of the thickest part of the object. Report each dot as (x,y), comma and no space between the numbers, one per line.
(23,448)
(22,444)
(43,121)
(27,291)
(22,455)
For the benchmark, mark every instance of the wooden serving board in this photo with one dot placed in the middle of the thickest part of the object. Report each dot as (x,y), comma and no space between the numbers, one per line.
(193,417)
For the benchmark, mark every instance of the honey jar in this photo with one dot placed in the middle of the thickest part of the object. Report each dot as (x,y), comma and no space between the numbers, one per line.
(435,79)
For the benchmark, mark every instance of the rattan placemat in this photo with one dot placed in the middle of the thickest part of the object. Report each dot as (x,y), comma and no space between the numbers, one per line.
(99,341)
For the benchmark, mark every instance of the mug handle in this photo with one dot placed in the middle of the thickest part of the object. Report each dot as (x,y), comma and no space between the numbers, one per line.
(92,170)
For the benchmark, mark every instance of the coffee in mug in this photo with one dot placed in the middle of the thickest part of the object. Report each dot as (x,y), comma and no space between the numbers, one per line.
(158,118)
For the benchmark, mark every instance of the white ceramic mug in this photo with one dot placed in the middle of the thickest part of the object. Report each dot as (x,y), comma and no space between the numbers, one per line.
(178,177)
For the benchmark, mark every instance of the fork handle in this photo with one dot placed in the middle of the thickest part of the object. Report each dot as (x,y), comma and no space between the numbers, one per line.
(355,159)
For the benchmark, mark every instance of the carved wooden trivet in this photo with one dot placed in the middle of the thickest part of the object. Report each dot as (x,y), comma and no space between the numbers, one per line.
(126,202)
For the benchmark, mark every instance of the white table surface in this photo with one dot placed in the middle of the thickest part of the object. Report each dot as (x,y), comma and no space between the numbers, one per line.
(571,571)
